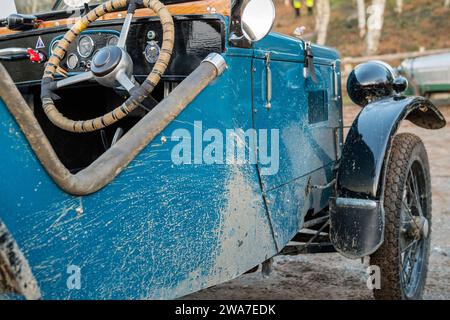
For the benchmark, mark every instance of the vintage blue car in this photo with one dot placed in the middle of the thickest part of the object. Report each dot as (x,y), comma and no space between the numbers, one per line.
(150,149)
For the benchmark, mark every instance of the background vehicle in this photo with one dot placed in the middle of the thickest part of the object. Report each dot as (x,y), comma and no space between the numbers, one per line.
(427,75)
(96,208)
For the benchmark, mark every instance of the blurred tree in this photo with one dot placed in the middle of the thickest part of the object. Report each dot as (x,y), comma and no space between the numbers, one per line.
(374,25)
(322,20)
(399,6)
(361,17)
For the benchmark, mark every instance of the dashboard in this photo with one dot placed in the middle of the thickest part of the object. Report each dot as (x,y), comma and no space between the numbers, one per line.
(195,37)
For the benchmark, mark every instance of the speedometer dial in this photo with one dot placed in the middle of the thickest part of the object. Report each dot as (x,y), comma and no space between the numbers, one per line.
(72,61)
(113,41)
(86,46)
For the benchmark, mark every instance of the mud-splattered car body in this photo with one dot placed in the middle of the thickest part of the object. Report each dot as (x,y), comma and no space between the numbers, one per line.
(161,230)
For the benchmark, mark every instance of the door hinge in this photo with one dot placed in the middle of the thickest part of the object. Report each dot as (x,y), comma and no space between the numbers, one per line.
(309,68)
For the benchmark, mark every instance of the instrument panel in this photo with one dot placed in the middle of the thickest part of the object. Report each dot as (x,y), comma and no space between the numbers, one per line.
(81,52)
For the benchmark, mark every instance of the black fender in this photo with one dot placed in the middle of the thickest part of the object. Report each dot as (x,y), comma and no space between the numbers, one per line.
(16,276)
(357,215)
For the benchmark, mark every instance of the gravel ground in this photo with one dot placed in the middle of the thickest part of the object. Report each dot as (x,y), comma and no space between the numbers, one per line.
(331,276)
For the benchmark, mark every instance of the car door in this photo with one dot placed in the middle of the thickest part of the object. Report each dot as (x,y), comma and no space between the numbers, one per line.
(299,117)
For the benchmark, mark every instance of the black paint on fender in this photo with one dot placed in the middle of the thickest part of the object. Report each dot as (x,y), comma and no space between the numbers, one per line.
(362,165)
(357,226)
(367,146)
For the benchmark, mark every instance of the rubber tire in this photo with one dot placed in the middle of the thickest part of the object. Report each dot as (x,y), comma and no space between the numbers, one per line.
(405,149)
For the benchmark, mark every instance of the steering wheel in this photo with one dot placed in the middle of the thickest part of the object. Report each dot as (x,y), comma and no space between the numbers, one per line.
(111,66)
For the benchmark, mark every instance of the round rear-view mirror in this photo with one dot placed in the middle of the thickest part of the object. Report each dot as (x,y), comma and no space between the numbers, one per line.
(257,19)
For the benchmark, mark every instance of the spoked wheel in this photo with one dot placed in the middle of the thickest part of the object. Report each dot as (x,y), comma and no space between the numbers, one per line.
(403,257)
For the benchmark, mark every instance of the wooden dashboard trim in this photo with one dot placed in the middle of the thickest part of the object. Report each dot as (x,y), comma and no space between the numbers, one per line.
(198,7)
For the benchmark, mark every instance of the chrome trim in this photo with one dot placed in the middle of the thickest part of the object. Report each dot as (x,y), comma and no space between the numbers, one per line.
(217,61)
(117,77)
(336,75)
(356,203)
(84,76)
(13,51)
(68,59)
(268,82)
(125,81)
(124,32)
(111,38)
(93,46)
(53,47)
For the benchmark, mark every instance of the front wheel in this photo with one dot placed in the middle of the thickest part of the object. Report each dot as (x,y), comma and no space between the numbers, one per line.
(403,257)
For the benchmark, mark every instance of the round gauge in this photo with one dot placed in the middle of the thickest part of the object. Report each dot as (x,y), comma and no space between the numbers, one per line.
(53,47)
(86,46)
(72,61)
(113,41)
(151,52)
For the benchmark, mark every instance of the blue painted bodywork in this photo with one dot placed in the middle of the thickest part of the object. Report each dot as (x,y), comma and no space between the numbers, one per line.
(162,231)
(308,151)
